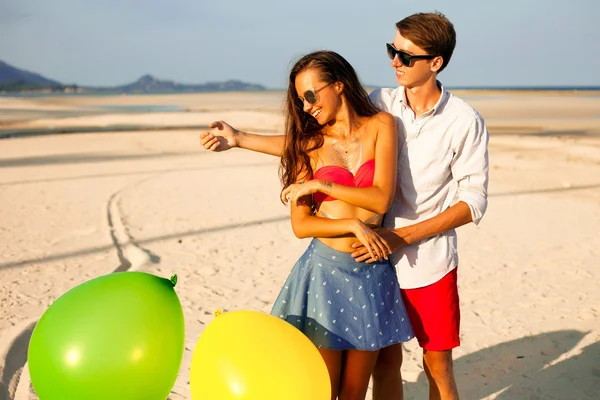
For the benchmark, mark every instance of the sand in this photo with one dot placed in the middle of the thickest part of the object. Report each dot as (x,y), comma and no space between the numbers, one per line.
(73,207)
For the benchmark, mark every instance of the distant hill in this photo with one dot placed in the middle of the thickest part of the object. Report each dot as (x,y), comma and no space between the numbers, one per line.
(13,79)
(9,73)
(150,84)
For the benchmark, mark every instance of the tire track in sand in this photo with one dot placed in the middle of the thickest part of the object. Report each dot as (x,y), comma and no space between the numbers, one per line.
(14,373)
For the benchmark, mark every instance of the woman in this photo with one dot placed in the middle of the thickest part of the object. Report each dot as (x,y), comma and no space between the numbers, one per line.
(338,171)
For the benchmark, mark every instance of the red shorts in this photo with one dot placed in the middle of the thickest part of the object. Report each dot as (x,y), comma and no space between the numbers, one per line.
(434,313)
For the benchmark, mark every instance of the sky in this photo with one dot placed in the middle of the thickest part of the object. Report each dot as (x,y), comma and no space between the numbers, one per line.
(114,42)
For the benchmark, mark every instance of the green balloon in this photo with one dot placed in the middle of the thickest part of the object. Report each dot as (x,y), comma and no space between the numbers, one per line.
(118,336)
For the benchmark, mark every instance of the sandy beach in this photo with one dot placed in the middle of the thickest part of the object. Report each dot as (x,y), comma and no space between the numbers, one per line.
(137,192)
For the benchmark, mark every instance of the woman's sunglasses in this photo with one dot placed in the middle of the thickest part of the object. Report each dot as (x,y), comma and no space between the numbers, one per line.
(404,57)
(311,95)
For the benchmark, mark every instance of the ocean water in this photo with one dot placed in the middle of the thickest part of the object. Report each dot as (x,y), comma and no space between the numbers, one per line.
(137,108)
(13,121)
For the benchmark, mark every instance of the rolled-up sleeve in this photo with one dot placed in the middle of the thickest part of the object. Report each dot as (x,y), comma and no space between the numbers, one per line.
(470,168)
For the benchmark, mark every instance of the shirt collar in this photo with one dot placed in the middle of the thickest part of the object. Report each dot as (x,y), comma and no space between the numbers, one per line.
(441,101)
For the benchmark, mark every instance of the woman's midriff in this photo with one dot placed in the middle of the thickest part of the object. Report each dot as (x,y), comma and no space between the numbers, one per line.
(340,210)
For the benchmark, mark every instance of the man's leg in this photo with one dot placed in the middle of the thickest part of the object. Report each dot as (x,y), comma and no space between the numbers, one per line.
(438,367)
(387,379)
(435,316)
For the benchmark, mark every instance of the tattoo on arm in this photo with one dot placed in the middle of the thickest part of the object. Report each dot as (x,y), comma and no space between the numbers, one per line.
(327,185)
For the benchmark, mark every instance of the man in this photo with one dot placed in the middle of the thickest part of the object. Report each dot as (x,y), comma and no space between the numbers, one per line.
(442,184)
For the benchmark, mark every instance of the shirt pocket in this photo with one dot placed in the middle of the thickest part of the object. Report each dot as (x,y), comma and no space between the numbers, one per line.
(429,173)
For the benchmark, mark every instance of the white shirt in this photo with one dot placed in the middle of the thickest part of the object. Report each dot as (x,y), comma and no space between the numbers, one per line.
(442,159)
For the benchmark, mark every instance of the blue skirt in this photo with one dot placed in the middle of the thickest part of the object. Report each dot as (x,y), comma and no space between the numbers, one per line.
(341,304)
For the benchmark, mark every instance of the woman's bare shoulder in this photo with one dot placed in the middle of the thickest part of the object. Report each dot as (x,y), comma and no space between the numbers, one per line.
(382,121)
(384,118)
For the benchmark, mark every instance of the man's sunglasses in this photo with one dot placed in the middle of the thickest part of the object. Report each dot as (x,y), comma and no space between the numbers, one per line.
(404,57)
(311,95)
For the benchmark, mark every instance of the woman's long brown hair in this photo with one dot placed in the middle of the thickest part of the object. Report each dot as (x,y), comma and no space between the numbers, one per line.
(303,132)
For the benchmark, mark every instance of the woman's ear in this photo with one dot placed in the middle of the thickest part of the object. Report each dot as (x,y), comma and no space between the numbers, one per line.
(339,87)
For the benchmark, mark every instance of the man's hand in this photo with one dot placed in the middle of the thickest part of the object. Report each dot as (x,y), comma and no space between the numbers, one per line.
(222,137)
(394,241)
(375,246)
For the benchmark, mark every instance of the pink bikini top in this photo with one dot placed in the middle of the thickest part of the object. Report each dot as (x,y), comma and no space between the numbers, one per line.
(340,175)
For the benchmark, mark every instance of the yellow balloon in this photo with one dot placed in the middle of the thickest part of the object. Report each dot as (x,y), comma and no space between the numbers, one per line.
(255,356)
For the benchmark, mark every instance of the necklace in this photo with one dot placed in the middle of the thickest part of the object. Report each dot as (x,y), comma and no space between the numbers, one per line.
(346,153)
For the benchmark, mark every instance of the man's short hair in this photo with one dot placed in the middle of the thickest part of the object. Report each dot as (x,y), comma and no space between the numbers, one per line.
(432,32)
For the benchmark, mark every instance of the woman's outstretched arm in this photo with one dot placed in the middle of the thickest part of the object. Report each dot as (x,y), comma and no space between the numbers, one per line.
(223,137)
